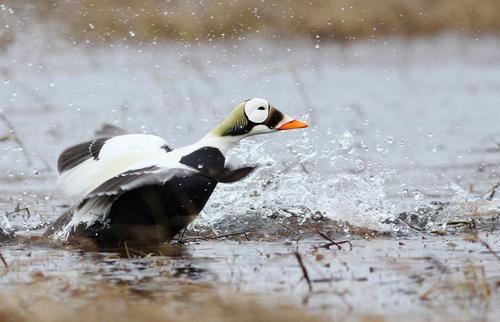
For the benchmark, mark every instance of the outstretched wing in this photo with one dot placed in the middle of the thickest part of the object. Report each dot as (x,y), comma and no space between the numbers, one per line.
(85,166)
(75,155)
(156,175)
(97,204)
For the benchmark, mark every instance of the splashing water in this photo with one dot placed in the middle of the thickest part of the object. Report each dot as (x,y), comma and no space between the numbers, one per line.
(340,167)
(302,180)
(22,220)
(4,223)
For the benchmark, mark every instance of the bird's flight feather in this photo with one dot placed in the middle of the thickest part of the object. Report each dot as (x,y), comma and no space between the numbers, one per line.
(85,166)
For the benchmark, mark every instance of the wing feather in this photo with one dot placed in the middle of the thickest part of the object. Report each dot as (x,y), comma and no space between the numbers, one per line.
(85,166)
(75,155)
(155,175)
(133,179)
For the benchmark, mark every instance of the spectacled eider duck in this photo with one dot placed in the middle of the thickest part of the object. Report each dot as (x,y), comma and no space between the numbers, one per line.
(134,188)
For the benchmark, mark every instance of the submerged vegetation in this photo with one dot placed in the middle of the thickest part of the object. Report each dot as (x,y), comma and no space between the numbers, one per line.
(138,20)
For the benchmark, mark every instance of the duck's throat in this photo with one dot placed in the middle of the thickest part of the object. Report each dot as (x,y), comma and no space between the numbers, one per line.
(222,143)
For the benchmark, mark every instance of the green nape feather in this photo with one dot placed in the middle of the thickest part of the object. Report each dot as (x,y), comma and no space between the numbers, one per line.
(235,124)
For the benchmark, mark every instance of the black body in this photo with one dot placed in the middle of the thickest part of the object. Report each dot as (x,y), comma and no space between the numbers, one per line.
(155,213)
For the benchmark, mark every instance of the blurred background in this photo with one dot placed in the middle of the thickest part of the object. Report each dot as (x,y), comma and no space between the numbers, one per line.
(336,20)
(403,96)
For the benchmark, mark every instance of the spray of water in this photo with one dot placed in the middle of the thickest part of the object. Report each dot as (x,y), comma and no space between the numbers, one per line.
(4,223)
(300,179)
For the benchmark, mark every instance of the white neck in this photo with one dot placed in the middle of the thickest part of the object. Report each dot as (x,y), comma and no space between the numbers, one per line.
(223,143)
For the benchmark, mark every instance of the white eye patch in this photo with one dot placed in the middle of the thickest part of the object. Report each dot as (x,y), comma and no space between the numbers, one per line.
(257,110)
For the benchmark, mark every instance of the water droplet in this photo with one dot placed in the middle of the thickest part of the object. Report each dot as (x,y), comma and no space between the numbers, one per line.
(417,195)
(346,140)
(359,165)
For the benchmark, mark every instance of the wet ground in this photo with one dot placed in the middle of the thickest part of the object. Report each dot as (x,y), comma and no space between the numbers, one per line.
(426,278)
(402,159)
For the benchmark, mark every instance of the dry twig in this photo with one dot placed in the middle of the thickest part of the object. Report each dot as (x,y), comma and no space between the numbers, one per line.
(304,269)
(486,245)
(410,225)
(216,236)
(18,209)
(332,242)
(469,223)
(4,261)
(126,249)
(493,191)
(180,238)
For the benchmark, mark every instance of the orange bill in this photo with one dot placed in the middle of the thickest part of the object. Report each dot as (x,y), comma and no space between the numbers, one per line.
(294,124)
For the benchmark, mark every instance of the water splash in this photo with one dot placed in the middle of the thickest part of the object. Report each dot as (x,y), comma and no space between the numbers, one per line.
(302,180)
(23,218)
(4,224)
(464,211)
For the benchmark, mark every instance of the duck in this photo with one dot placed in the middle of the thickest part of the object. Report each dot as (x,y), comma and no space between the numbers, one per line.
(135,188)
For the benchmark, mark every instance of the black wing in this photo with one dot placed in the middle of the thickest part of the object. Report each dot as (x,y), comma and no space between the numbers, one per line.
(73,156)
(228,175)
(155,175)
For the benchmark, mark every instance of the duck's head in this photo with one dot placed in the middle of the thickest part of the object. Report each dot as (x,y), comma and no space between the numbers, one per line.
(255,116)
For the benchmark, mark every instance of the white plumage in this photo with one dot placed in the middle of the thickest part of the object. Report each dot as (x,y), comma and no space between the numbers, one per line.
(118,154)
(124,153)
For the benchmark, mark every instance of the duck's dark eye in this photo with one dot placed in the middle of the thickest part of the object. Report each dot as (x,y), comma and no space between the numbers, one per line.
(262,108)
